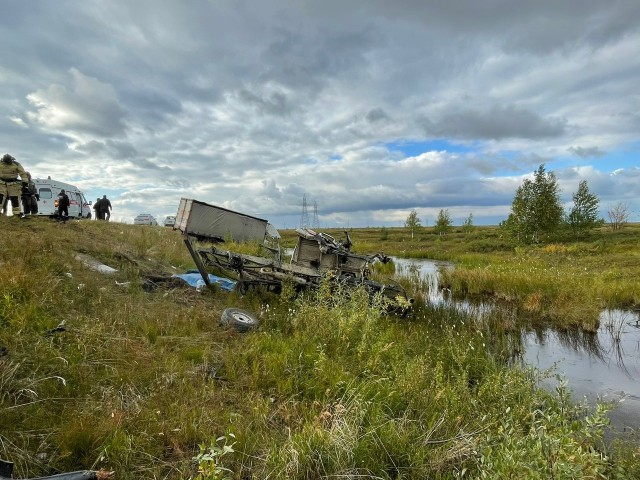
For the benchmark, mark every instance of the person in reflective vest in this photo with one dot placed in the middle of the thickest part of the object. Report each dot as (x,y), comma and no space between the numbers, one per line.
(10,186)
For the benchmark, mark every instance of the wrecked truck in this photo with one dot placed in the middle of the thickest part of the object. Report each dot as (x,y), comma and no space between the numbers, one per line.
(316,256)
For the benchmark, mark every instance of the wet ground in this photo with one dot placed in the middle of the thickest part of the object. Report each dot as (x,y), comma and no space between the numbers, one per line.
(604,365)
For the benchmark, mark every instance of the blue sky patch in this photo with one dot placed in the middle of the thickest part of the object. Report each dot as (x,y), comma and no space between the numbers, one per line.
(413,149)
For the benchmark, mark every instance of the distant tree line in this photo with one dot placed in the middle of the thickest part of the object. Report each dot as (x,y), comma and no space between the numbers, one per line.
(537,214)
(442,225)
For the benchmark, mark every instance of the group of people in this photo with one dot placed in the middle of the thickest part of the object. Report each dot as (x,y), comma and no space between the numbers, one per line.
(102,207)
(23,190)
(12,189)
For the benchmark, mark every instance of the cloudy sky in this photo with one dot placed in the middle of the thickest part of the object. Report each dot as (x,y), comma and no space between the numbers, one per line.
(366,108)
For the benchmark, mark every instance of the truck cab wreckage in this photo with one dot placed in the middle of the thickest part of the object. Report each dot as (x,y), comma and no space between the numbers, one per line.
(316,255)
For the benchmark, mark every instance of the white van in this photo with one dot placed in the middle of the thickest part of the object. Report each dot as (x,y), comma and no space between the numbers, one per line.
(48,191)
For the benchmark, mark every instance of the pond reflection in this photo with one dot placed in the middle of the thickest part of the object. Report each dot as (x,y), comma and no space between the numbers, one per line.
(604,365)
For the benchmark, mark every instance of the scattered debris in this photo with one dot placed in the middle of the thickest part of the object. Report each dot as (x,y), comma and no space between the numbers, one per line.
(194,279)
(153,282)
(60,328)
(212,372)
(93,264)
(6,469)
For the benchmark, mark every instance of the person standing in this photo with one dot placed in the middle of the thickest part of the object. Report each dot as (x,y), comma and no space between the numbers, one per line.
(96,209)
(105,206)
(10,187)
(30,197)
(63,206)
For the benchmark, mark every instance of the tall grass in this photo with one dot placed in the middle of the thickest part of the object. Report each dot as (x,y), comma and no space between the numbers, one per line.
(566,284)
(99,372)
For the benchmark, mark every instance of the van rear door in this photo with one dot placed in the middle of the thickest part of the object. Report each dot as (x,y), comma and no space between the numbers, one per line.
(45,204)
(75,204)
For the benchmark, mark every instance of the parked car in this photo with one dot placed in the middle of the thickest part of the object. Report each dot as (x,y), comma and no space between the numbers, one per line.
(145,219)
(170,221)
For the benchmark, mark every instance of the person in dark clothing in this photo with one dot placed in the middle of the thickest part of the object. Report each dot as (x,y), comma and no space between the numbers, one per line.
(96,208)
(30,197)
(105,206)
(63,206)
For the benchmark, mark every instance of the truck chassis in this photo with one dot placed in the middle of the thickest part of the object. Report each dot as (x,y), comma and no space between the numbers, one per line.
(316,256)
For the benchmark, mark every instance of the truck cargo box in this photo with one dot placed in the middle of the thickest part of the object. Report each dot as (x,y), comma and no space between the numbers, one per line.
(205,221)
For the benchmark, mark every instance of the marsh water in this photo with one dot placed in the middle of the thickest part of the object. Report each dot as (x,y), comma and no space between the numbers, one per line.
(604,365)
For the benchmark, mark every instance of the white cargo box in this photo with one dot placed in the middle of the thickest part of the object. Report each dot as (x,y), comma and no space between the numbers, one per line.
(205,221)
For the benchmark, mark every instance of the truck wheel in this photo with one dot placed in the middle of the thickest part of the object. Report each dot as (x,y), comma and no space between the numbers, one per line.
(240,320)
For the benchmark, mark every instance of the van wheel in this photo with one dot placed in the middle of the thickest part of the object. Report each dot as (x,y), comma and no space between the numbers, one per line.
(240,320)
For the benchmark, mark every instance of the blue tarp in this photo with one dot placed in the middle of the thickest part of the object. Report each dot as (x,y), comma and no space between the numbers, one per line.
(193,278)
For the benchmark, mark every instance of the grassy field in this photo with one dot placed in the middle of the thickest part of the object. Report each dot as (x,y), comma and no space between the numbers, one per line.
(564,284)
(119,373)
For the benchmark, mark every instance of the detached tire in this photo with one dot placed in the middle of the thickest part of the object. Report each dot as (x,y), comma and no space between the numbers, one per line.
(240,320)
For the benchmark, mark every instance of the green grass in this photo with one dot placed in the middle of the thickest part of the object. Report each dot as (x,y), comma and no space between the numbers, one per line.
(140,382)
(565,284)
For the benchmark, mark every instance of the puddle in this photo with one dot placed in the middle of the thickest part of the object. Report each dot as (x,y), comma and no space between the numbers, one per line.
(426,273)
(604,365)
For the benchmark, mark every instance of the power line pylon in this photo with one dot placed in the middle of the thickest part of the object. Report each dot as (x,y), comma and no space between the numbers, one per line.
(304,218)
(316,221)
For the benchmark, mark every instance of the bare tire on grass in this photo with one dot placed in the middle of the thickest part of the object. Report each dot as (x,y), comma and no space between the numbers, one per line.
(240,320)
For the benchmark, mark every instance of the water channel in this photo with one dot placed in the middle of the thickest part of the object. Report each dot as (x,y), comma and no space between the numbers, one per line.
(605,365)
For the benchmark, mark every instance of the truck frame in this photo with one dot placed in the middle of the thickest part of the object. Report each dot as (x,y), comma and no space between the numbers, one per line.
(316,256)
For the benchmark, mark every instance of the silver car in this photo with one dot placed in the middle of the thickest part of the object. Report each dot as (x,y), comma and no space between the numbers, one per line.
(145,219)
(170,221)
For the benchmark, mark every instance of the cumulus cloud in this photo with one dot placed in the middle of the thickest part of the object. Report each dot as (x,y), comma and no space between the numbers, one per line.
(586,152)
(371,109)
(86,108)
(495,123)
